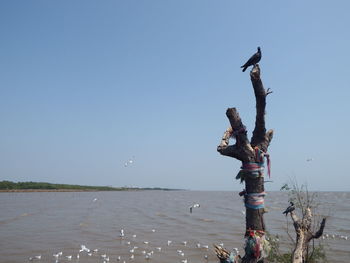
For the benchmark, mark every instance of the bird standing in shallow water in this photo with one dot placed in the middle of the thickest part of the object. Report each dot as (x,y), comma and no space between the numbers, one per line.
(253,60)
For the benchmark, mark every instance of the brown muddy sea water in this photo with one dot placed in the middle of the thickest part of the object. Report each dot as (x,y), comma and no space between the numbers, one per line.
(46,223)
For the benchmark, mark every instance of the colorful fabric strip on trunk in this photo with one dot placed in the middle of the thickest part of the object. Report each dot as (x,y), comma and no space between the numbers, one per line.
(254,200)
(256,169)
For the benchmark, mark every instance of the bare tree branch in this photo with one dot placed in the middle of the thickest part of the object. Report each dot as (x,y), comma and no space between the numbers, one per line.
(319,233)
(260,96)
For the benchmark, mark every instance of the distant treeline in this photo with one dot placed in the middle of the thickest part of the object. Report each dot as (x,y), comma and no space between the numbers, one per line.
(8,185)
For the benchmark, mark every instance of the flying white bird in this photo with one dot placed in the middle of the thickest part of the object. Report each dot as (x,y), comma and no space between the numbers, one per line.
(83,248)
(129,162)
(194,206)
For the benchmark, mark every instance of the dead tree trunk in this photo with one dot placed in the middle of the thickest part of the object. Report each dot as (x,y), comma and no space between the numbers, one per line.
(252,155)
(304,234)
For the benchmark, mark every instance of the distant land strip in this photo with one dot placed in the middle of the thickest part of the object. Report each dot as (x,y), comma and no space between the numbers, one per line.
(8,186)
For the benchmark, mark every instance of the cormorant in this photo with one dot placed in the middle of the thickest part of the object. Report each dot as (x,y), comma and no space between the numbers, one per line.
(289,208)
(253,60)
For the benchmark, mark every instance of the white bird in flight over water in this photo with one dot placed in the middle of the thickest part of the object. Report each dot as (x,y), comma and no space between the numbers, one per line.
(129,162)
(194,206)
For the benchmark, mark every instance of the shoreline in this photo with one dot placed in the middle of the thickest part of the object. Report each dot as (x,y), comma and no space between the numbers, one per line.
(53,190)
(82,190)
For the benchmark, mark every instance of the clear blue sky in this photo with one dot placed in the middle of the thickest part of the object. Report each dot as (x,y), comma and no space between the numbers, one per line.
(86,85)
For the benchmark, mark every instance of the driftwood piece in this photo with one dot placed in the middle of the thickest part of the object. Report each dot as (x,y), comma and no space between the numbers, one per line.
(304,234)
(244,150)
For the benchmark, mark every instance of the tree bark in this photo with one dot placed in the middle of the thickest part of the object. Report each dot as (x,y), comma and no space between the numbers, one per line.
(250,153)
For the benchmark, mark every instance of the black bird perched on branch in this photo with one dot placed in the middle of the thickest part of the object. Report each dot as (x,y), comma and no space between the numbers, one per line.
(289,208)
(253,60)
